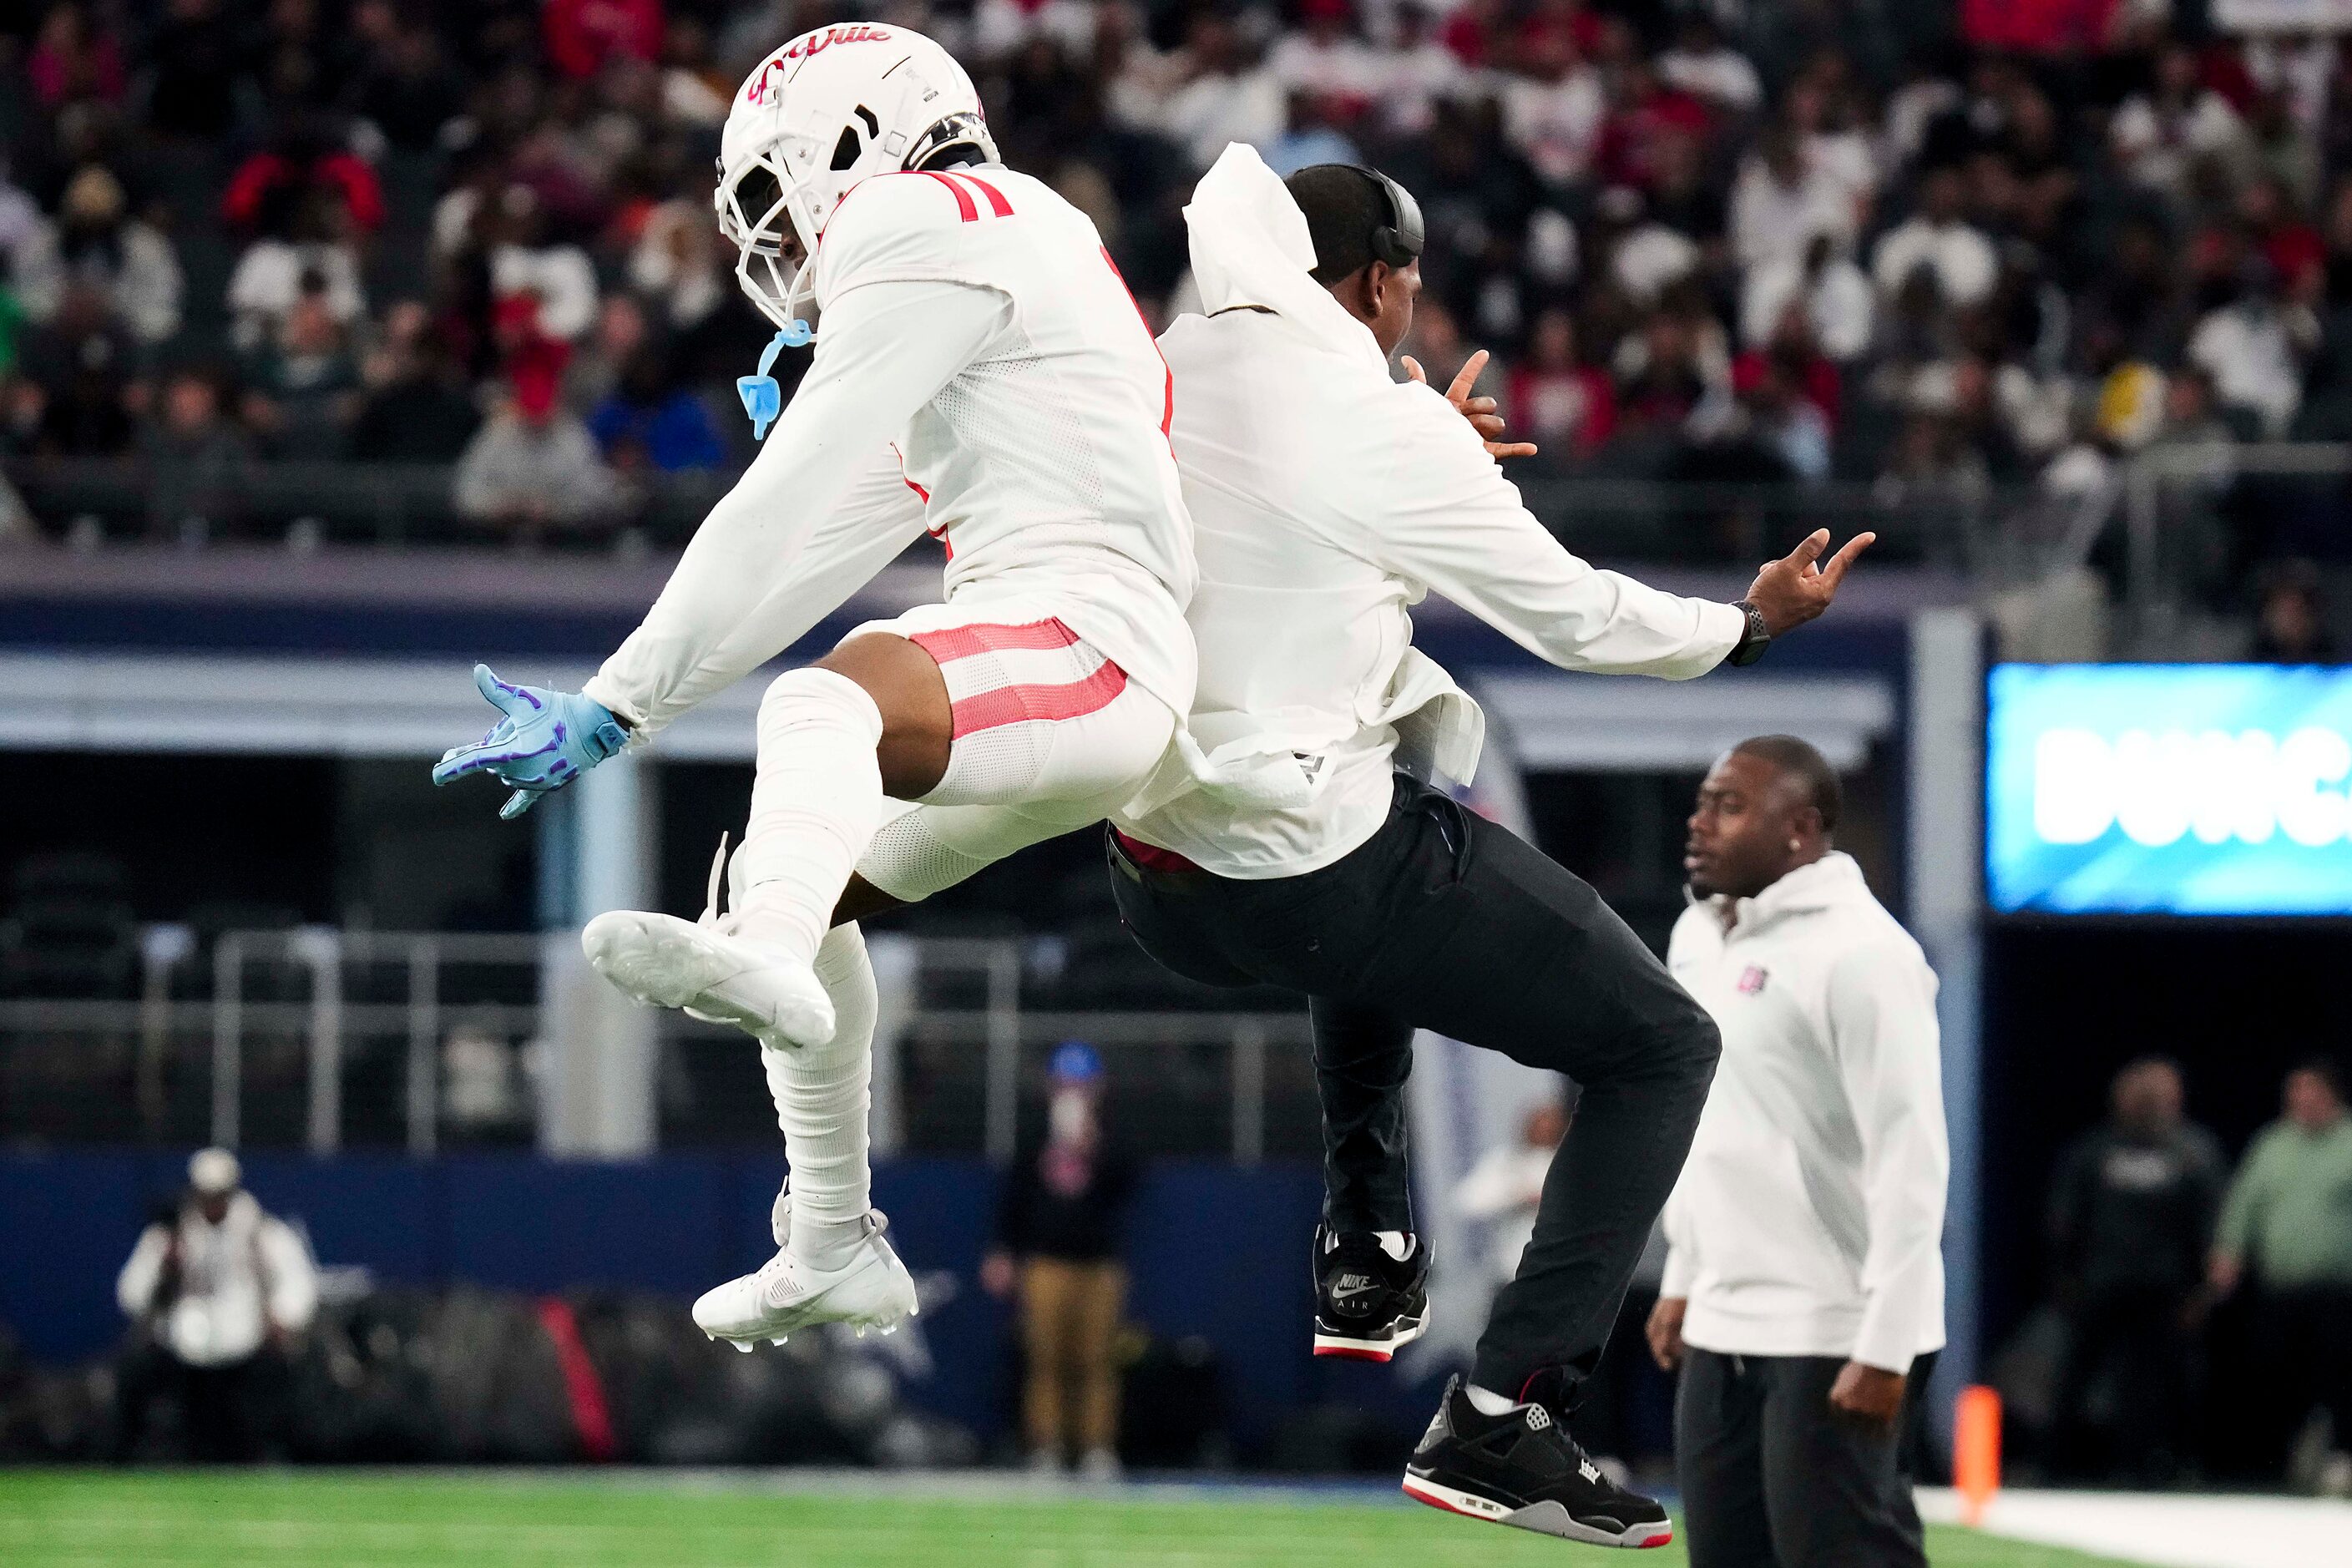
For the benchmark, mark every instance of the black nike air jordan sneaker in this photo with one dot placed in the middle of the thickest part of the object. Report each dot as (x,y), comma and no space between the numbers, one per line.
(1522,1468)
(1367,1305)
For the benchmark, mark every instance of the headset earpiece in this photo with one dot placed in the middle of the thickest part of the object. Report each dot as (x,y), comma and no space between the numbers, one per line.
(1398,241)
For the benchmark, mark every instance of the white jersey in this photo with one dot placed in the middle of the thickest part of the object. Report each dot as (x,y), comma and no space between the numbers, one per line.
(980,373)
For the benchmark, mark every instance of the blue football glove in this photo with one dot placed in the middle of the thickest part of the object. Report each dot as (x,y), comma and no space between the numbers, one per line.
(545,740)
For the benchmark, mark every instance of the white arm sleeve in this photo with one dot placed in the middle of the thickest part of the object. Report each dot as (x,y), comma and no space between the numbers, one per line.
(817,513)
(1882,1018)
(134,1288)
(290,1278)
(1456,524)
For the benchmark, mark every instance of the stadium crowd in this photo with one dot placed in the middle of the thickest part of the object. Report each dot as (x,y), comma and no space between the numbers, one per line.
(1943,249)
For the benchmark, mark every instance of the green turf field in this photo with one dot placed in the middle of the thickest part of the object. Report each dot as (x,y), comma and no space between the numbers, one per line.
(55,1519)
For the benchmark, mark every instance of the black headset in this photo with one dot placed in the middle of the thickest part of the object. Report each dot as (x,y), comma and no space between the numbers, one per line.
(1398,241)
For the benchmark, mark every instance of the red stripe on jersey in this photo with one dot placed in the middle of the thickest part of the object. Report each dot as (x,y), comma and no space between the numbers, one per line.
(965,208)
(996,201)
(907,477)
(952,643)
(1167,392)
(1030,704)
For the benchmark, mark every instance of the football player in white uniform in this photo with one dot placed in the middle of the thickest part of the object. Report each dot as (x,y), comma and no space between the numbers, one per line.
(980,373)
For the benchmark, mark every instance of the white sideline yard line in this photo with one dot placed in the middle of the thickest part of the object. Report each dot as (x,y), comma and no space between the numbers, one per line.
(2167,1529)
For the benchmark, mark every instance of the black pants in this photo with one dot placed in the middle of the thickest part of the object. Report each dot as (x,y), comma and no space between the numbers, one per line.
(2126,1385)
(1444,921)
(1773,1478)
(228,1414)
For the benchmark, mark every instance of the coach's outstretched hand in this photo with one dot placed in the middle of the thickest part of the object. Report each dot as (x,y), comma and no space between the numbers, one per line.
(543,741)
(1794,589)
(1479,411)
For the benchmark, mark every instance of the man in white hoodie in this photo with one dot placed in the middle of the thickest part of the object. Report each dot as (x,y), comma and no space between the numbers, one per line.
(1804,1280)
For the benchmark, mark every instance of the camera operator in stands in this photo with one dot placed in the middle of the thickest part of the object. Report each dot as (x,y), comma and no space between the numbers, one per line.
(218,1290)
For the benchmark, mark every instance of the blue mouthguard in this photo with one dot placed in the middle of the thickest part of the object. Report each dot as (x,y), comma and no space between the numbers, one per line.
(762,398)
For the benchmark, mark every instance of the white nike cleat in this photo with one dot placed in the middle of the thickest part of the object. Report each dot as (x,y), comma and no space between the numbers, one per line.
(871,1290)
(712,974)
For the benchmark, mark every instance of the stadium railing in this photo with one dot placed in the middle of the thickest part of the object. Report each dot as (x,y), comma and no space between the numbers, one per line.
(92,501)
(323,1038)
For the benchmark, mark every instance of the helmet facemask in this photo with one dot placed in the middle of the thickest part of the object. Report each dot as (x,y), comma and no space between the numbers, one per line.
(774,216)
(767,212)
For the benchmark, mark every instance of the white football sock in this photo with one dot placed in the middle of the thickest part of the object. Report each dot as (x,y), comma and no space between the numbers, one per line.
(1485,1401)
(817,800)
(821,1095)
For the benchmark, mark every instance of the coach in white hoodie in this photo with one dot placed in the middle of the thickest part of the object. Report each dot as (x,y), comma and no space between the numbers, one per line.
(1804,1279)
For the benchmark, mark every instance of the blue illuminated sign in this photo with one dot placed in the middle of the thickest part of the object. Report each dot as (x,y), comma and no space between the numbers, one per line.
(2183,789)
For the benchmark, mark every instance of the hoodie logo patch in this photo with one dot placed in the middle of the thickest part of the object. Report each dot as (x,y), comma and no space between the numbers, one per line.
(1752,979)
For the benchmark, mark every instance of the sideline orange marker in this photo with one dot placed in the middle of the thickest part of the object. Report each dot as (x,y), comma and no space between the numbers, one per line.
(1976,1450)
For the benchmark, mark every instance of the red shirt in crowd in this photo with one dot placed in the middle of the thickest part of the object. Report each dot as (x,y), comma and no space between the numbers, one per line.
(581,35)
(1575,407)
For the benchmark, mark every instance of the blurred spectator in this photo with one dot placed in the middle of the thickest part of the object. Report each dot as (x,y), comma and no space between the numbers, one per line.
(97,241)
(2291,622)
(1553,112)
(584,34)
(1324,60)
(73,59)
(414,408)
(218,1288)
(312,260)
(1702,65)
(1780,417)
(524,260)
(532,464)
(196,459)
(678,265)
(405,89)
(2162,134)
(2286,1228)
(302,171)
(1822,288)
(1940,239)
(647,421)
(1058,1243)
(20,222)
(2132,1209)
(1784,202)
(1565,406)
(305,390)
(1501,1191)
(1309,137)
(2253,346)
(77,394)
(1223,96)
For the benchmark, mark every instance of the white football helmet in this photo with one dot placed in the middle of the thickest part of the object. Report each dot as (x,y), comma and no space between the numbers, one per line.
(823,112)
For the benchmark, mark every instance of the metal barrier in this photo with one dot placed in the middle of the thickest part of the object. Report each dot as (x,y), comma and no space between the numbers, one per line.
(309,502)
(270,1056)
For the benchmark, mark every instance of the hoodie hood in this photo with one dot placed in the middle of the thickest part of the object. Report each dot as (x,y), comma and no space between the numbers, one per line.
(1251,248)
(1832,880)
